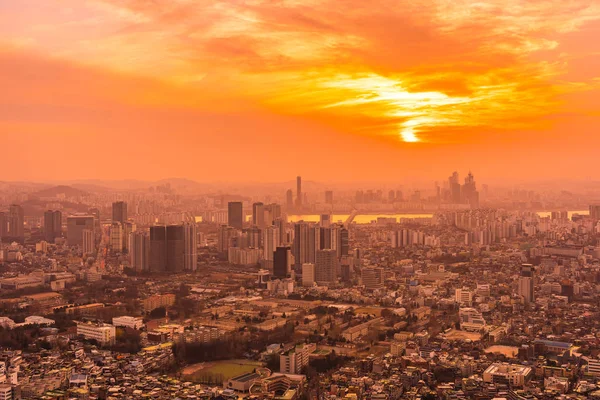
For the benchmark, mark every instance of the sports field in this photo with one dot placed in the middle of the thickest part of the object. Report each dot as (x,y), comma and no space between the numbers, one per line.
(219,371)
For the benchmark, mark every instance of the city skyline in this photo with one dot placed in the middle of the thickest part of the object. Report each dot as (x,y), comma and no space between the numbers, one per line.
(376,92)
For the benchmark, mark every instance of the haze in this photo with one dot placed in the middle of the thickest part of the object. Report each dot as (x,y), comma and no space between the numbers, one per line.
(262,91)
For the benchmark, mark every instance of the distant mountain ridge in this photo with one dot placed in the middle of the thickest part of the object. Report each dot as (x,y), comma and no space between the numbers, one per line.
(55,191)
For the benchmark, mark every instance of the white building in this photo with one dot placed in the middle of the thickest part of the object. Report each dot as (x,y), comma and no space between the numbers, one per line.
(296,359)
(104,334)
(508,374)
(128,322)
(463,296)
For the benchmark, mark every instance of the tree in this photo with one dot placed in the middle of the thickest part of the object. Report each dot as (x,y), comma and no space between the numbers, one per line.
(159,312)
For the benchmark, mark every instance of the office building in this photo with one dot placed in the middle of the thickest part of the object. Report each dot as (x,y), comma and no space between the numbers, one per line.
(235,214)
(76,224)
(373,278)
(116,237)
(89,241)
(525,289)
(139,254)
(190,235)
(258,215)
(308,274)
(328,197)
(326,263)
(463,297)
(119,212)
(282,261)
(52,225)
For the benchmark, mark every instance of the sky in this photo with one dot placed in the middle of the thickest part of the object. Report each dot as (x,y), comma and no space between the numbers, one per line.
(264,90)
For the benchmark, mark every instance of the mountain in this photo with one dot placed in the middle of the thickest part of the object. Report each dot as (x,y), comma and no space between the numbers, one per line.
(55,191)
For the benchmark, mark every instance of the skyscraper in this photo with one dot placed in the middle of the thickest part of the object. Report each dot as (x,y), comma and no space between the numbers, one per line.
(271,240)
(282,262)
(258,214)
(52,225)
(76,224)
(175,248)
(329,197)
(89,241)
(139,254)
(158,248)
(119,212)
(304,243)
(116,237)
(128,227)
(167,248)
(191,246)
(235,214)
(16,222)
(326,267)
(454,185)
(289,199)
(526,283)
(299,191)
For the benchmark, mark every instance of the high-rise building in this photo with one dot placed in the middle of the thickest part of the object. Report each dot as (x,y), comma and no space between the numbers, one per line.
(282,262)
(89,241)
(258,214)
(191,246)
(271,240)
(326,267)
(139,253)
(225,235)
(329,197)
(526,283)
(167,248)
(454,185)
(235,214)
(308,274)
(52,225)
(324,240)
(16,222)
(254,237)
(289,199)
(128,227)
(158,248)
(119,212)
(116,237)
(595,212)
(343,243)
(304,243)
(76,224)
(373,277)
(299,191)
(175,248)
(3,224)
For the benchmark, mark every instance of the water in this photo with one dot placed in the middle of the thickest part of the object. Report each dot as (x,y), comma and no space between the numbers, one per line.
(368,218)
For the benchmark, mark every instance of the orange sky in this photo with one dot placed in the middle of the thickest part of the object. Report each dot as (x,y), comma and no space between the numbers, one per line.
(265,90)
